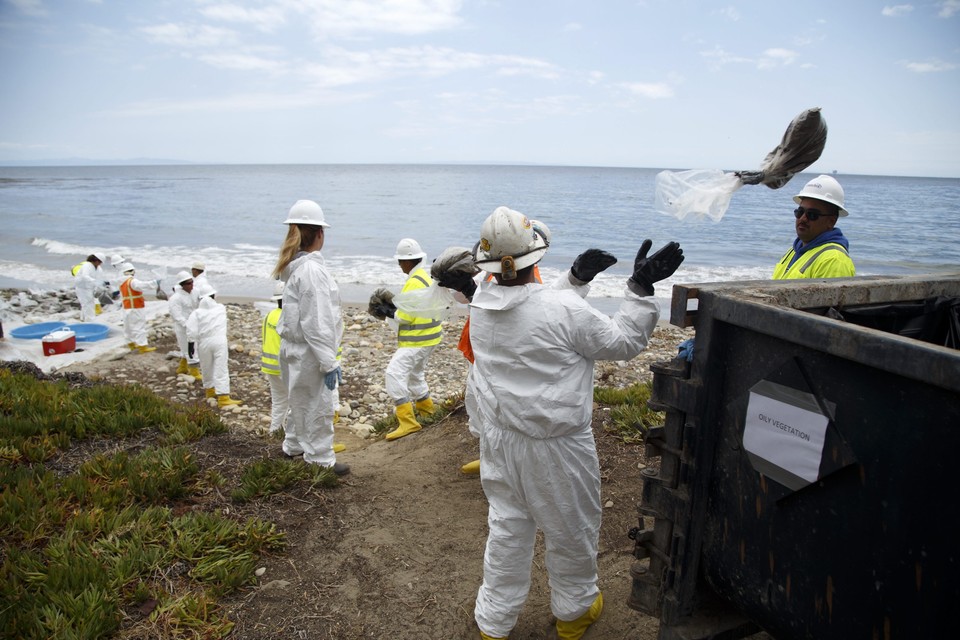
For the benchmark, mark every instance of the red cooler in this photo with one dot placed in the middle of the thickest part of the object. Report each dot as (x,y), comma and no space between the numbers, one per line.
(61,341)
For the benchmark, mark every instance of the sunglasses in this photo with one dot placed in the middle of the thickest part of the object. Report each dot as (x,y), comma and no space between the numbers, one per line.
(812,214)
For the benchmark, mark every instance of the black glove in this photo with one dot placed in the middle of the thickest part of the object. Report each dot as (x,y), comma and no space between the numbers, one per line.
(657,267)
(385,310)
(458,281)
(190,350)
(589,263)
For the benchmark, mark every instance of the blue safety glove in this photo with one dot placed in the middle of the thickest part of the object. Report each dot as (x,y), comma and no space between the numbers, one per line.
(685,350)
(657,267)
(333,378)
(589,263)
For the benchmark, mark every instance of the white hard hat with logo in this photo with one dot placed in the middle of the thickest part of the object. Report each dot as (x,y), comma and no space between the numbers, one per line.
(277,291)
(509,242)
(823,188)
(306,212)
(409,249)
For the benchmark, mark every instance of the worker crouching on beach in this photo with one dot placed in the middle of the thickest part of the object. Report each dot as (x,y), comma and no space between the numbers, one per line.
(207,329)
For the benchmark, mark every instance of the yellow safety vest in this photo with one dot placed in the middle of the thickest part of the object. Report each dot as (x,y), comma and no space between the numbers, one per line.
(828,261)
(132,299)
(76,268)
(270,360)
(414,331)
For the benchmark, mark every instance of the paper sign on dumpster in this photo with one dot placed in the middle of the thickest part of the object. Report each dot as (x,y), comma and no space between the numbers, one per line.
(784,433)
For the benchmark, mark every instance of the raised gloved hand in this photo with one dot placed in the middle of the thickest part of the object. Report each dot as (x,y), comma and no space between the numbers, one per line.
(589,263)
(657,267)
(333,378)
(458,281)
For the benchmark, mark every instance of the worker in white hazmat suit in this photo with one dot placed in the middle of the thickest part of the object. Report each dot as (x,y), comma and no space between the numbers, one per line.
(207,329)
(134,308)
(180,305)
(311,329)
(530,394)
(88,278)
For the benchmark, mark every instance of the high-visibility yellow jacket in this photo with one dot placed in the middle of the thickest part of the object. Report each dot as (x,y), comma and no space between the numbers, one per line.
(829,260)
(270,357)
(414,331)
(76,268)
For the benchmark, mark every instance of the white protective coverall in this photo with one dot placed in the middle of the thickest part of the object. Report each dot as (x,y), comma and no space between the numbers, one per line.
(180,305)
(405,379)
(88,279)
(530,397)
(135,320)
(311,328)
(207,329)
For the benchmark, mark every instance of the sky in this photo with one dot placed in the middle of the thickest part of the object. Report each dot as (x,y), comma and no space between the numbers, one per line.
(673,84)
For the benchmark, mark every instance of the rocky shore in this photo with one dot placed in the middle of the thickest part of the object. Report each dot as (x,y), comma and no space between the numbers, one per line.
(368,345)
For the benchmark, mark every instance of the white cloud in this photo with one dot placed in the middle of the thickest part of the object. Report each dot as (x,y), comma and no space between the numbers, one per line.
(729,12)
(896,10)
(929,67)
(190,36)
(230,103)
(243,62)
(266,19)
(572,26)
(948,8)
(773,58)
(652,90)
(719,57)
(357,17)
(30,7)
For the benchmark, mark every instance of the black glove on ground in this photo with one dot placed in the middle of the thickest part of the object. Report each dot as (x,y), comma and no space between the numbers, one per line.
(458,281)
(589,263)
(657,267)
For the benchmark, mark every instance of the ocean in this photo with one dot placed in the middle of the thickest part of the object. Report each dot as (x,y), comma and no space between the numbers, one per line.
(163,218)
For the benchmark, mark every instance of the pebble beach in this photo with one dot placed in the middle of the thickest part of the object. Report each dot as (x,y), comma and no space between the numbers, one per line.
(368,345)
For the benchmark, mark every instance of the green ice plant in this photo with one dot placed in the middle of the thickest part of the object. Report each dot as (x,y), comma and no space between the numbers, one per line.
(630,417)
(82,550)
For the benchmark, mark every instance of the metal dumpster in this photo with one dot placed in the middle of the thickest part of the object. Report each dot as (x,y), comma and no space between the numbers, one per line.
(807,464)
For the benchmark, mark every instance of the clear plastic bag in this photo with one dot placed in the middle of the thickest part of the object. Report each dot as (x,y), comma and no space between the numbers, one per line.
(698,192)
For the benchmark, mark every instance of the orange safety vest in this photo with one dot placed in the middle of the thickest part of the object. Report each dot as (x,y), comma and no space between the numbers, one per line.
(464,345)
(132,299)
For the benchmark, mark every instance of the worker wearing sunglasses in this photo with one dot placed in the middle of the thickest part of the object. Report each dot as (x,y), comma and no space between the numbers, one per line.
(820,249)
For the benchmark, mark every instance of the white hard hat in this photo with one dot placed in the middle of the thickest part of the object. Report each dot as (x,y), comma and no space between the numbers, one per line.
(183,276)
(509,242)
(126,267)
(278,291)
(116,260)
(823,188)
(541,228)
(306,212)
(99,256)
(409,249)
(204,291)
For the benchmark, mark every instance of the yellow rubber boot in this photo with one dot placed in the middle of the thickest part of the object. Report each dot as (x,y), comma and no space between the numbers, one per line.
(336,417)
(408,423)
(225,400)
(337,447)
(132,345)
(574,629)
(146,349)
(195,372)
(484,636)
(471,467)
(211,392)
(182,366)
(425,406)
(97,309)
